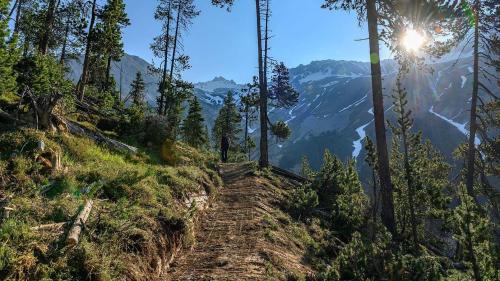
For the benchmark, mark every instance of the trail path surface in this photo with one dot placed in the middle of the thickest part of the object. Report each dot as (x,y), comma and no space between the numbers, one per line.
(231,239)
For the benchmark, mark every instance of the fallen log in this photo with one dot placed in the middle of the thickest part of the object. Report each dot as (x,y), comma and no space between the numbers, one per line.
(77,129)
(76,228)
(50,227)
(287,174)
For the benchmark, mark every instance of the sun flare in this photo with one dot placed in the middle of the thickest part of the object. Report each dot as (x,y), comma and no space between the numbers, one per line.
(413,40)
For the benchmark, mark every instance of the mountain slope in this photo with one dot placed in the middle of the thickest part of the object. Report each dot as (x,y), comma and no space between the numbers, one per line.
(335,109)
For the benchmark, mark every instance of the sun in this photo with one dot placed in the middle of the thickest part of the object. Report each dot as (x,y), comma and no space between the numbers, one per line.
(413,40)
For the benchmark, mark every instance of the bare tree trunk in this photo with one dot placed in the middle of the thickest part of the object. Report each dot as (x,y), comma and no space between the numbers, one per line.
(378,106)
(177,24)
(164,75)
(374,204)
(49,22)
(264,158)
(247,147)
(471,154)
(86,62)
(65,43)
(18,16)
(108,71)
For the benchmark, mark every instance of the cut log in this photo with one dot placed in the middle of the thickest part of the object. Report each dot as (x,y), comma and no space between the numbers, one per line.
(81,219)
(50,227)
(6,213)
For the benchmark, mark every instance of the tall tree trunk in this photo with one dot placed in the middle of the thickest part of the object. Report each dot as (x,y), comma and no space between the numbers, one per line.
(165,63)
(374,204)
(247,147)
(108,72)
(14,7)
(266,42)
(378,108)
(65,43)
(471,154)
(86,62)
(49,22)
(171,103)
(264,158)
(18,16)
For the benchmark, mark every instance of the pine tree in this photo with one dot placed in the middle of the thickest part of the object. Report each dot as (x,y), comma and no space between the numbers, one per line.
(405,124)
(70,30)
(227,123)
(82,83)
(161,46)
(249,106)
(420,175)
(193,128)
(183,90)
(281,91)
(371,160)
(390,18)
(8,53)
(113,19)
(482,17)
(137,94)
(48,25)
(262,61)
(475,232)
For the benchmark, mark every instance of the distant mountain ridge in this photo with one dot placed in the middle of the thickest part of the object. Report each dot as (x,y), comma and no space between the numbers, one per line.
(335,108)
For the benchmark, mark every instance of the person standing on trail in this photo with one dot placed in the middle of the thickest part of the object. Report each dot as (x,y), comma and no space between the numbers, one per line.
(224,147)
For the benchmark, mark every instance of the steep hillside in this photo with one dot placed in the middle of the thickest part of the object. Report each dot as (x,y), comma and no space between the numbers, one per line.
(140,210)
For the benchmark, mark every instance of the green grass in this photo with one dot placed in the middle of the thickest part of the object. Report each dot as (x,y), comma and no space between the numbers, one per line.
(138,211)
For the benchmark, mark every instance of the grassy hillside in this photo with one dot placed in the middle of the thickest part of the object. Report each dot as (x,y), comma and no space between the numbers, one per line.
(141,213)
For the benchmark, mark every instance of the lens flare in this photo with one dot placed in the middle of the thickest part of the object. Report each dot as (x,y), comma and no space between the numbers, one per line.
(413,41)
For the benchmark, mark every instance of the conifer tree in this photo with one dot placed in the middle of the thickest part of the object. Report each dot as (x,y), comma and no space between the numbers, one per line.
(138,87)
(160,47)
(82,83)
(228,122)
(70,31)
(8,52)
(249,106)
(264,153)
(371,160)
(113,19)
(183,90)
(193,128)
(420,175)
(48,25)
(391,18)
(475,232)
(482,18)
(281,91)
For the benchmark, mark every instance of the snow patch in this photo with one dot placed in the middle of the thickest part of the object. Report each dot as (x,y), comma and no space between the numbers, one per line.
(354,104)
(461,127)
(358,144)
(464,79)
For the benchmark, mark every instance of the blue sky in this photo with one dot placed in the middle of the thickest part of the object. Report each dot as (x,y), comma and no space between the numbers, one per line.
(224,44)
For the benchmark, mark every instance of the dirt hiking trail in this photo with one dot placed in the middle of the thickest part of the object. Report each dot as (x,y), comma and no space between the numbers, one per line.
(237,238)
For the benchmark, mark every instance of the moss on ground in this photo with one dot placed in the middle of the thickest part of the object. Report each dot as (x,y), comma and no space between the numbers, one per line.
(139,213)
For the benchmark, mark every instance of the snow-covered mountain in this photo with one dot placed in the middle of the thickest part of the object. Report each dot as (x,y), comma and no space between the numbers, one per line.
(335,109)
